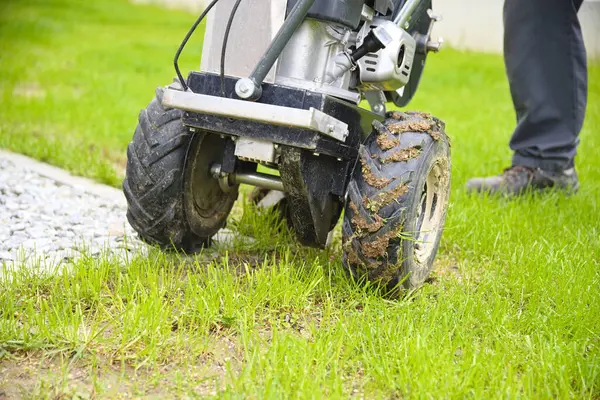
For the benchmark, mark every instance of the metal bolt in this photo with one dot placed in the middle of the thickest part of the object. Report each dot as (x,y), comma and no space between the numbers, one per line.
(316,154)
(243,88)
(435,46)
(378,108)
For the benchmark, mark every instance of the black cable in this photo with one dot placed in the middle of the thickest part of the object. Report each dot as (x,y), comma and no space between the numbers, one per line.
(185,40)
(371,44)
(224,47)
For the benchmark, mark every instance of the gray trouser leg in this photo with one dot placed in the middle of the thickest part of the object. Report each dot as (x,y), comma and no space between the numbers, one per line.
(547,72)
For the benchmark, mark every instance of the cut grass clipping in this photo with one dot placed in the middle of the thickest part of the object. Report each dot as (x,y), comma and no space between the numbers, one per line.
(512,310)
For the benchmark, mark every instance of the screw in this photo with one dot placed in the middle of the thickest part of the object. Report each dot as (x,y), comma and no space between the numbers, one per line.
(378,108)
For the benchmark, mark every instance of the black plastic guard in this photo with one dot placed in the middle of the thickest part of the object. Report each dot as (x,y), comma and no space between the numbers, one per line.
(308,181)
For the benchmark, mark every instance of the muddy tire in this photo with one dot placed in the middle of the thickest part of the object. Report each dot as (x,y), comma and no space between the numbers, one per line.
(397,201)
(173,201)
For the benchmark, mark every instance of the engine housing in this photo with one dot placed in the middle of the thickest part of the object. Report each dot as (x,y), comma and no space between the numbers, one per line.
(388,69)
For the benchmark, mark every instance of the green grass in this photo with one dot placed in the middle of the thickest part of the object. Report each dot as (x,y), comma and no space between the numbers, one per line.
(513,310)
(74,76)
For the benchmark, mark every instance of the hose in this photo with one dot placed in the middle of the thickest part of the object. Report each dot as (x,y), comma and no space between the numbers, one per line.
(184,42)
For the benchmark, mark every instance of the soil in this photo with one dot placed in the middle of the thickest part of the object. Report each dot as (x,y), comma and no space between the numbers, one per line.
(410,126)
(383,199)
(371,179)
(402,155)
(35,375)
(420,114)
(386,142)
(378,247)
(398,115)
(435,135)
(445,268)
(361,224)
(353,258)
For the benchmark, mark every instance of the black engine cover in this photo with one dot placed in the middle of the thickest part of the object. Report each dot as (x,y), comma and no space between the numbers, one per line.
(345,12)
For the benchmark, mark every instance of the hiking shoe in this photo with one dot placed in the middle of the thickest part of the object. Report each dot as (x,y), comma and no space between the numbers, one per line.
(518,179)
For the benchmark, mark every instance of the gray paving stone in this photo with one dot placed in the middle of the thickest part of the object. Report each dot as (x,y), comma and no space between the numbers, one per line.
(48,217)
(44,218)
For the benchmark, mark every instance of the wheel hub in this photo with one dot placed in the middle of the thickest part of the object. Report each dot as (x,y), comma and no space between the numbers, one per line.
(430,217)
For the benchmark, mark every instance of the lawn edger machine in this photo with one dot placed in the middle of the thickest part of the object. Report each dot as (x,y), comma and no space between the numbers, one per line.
(280,85)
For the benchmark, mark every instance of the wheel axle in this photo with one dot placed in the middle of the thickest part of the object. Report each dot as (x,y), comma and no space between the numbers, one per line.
(258,179)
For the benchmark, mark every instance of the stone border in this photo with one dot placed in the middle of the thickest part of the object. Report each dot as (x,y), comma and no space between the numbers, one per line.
(65,178)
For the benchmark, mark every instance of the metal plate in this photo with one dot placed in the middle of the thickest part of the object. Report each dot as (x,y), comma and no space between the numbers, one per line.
(254,26)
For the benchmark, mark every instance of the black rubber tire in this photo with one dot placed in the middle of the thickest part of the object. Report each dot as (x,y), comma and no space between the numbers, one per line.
(158,182)
(386,200)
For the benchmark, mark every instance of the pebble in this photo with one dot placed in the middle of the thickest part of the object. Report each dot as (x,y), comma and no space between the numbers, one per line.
(42,220)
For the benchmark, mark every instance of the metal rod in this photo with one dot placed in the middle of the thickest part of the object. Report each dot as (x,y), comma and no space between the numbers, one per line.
(265,181)
(406,12)
(290,25)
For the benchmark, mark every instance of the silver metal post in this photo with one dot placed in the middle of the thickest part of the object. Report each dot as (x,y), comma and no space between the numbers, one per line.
(406,12)
(250,88)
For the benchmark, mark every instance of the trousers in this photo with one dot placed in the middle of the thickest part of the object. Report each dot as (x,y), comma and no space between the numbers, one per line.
(546,65)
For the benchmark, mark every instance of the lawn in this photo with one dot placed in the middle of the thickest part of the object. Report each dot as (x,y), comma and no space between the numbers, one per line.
(512,309)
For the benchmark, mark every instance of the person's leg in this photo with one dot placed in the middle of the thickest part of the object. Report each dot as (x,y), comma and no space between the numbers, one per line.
(546,67)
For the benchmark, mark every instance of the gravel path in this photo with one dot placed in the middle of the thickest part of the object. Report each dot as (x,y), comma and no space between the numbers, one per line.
(46,221)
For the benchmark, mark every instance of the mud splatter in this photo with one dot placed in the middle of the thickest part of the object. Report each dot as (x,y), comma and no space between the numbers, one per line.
(420,114)
(361,224)
(383,199)
(378,247)
(354,259)
(385,142)
(386,198)
(410,126)
(352,256)
(435,135)
(371,179)
(402,155)
(400,116)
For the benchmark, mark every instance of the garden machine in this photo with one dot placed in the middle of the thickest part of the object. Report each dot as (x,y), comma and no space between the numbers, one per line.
(280,85)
